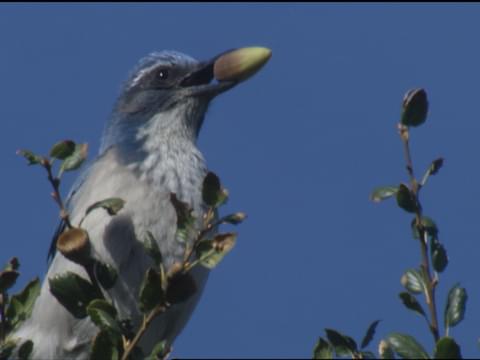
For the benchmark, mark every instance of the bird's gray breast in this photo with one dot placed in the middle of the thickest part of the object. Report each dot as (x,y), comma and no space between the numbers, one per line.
(117,239)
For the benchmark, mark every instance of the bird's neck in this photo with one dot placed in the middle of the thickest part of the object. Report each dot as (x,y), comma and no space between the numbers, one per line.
(164,154)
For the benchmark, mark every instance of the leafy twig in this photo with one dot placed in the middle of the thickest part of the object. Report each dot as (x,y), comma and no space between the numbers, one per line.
(415,188)
(145,324)
(55,182)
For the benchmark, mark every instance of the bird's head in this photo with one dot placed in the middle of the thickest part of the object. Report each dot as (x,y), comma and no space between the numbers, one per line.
(167,94)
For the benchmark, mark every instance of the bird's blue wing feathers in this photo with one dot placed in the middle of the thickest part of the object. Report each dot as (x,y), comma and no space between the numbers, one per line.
(53,245)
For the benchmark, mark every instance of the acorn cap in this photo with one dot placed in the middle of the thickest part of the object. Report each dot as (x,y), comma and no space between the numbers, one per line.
(74,244)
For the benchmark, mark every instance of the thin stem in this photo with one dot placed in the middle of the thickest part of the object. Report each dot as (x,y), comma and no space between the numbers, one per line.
(186,266)
(56,194)
(146,322)
(430,293)
(425,178)
(201,234)
(190,265)
(404,135)
(430,298)
(189,252)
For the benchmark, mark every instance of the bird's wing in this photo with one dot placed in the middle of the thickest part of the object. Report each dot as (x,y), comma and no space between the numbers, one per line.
(53,248)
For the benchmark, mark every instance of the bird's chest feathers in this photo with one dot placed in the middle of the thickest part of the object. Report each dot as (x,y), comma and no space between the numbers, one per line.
(144,185)
(177,170)
(168,158)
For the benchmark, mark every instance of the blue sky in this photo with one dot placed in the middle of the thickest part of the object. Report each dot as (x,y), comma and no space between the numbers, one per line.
(299,146)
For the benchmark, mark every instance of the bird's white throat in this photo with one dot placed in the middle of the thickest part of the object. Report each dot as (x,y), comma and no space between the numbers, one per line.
(166,153)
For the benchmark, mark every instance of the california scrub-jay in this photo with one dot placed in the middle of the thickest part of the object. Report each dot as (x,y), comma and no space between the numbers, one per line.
(148,151)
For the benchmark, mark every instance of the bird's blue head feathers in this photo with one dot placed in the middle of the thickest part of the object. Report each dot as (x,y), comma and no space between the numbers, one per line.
(167,58)
(169,88)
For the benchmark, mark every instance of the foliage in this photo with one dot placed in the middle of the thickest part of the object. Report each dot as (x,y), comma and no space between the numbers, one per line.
(161,288)
(421,281)
(89,297)
(15,309)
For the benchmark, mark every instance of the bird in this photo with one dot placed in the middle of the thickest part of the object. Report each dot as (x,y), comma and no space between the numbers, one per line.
(148,151)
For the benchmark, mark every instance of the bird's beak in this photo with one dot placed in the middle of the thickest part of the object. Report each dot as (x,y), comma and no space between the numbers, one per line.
(225,71)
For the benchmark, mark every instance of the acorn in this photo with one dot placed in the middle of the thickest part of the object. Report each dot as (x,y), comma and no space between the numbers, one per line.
(238,65)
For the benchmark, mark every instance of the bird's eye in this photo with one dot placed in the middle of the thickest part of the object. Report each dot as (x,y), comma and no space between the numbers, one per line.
(163,74)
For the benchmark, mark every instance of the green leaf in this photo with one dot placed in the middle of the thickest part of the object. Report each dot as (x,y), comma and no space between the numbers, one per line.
(411,303)
(428,225)
(103,348)
(211,188)
(105,274)
(406,346)
(25,350)
(181,286)
(75,160)
(31,157)
(435,166)
(432,170)
(151,290)
(414,281)
(183,210)
(405,199)
(211,252)
(185,220)
(447,348)
(103,314)
(21,305)
(323,350)
(438,255)
(343,344)
(369,334)
(6,349)
(455,308)
(7,279)
(112,205)
(103,306)
(183,234)
(415,107)
(73,292)
(152,249)
(13,264)
(381,193)
(212,192)
(385,351)
(62,149)
(159,351)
